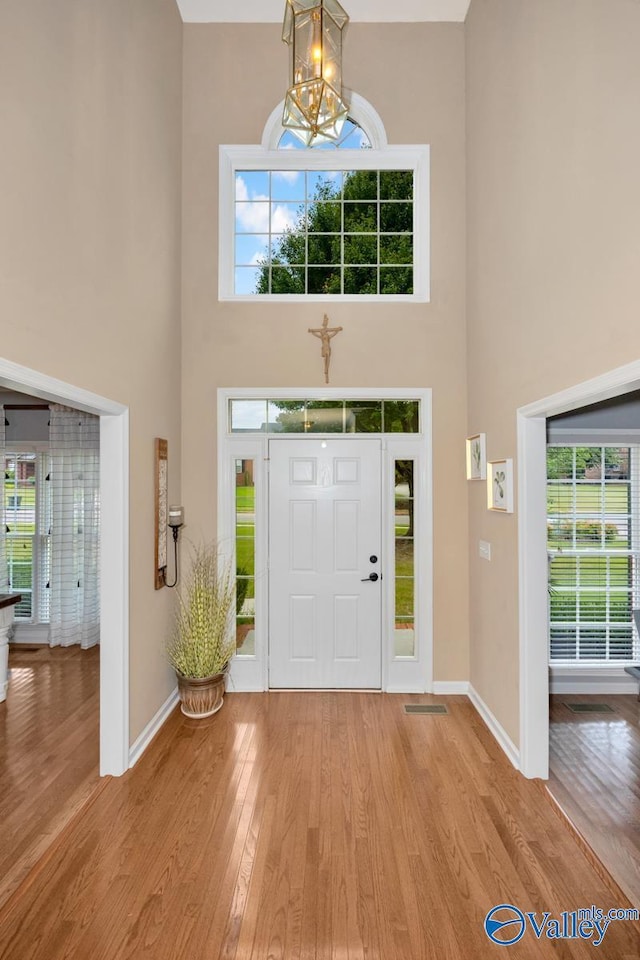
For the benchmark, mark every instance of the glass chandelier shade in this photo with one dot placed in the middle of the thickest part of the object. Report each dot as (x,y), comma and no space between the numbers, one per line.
(313,107)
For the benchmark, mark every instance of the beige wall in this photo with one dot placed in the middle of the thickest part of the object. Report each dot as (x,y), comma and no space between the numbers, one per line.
(234,75)
(553,154)
(90,100)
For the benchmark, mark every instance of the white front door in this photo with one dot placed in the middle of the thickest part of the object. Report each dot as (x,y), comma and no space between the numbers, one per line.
(324,561)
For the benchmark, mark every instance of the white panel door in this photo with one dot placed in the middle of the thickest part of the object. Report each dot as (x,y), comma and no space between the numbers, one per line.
(324,561)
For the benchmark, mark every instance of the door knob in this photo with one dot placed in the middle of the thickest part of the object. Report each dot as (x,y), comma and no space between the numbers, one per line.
(372,576)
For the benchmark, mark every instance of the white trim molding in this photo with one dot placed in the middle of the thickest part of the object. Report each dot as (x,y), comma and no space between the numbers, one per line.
(532,553)
(399,674)
(495,727)
(243,157)
(153,727)
(604,680)
(451,687)
(114,551)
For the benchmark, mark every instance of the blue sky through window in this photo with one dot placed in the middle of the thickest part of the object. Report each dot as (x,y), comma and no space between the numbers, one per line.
(270,203)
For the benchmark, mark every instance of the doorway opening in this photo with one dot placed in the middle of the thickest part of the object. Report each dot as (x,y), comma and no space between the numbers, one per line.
(324,507)
(532,553)
(114,551)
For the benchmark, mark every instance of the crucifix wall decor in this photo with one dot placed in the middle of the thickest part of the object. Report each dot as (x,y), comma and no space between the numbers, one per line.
(325,334)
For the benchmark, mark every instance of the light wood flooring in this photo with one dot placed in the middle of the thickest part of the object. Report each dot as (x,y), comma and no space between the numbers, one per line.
(310,826)
(49,752)
(594,764)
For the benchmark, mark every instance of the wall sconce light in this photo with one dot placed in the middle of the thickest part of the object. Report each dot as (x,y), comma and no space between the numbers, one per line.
(313,106)
(175,521)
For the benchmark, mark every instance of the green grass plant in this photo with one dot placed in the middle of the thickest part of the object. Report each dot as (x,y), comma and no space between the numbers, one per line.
(202,642)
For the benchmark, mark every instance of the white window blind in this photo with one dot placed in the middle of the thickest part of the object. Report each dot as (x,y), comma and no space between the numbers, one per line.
(27,494)
(593,513)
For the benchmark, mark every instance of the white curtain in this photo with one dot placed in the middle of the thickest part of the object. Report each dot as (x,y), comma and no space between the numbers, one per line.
(74,611)
(4,574)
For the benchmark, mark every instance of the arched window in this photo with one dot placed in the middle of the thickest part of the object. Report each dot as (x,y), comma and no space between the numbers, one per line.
(344,220)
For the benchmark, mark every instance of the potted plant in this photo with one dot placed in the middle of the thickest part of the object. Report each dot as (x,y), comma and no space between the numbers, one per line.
(202,641)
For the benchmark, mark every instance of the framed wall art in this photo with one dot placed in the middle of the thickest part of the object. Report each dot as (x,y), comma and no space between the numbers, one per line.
(161,514)
(477,457)
(500,485)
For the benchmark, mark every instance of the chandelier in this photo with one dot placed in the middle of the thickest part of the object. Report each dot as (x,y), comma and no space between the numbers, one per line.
(313,106)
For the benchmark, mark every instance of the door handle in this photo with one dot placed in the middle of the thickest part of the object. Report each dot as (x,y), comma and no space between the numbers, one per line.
(372,576)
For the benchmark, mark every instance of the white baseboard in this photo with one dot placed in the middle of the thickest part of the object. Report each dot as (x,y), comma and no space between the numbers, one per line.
(137,749)
(31,633)
(605,687)
(602,680)
(495,727)
(452,687)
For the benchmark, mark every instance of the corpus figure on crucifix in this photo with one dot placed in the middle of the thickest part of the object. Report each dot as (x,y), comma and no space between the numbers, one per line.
(325,333)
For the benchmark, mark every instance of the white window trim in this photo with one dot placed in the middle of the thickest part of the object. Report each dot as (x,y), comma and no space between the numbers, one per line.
(382,156)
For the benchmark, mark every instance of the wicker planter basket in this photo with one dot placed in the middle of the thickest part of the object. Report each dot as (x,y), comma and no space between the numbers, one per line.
(201,698)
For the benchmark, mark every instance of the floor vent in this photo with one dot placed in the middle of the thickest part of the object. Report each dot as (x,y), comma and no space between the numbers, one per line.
(425,708)
(589,707)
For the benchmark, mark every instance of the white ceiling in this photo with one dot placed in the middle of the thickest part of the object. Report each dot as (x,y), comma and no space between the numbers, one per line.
(372,11)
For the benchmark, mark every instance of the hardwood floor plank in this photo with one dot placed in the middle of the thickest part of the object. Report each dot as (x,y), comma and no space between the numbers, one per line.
(49,747)
(308,827)
(595,778)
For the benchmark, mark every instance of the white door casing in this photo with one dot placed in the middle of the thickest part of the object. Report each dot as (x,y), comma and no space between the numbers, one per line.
(325,528)
(400,673)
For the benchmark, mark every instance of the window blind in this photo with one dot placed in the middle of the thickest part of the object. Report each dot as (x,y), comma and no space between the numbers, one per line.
(593,542)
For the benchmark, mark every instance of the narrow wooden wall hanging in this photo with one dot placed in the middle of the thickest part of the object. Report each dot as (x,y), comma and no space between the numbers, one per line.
(161,509)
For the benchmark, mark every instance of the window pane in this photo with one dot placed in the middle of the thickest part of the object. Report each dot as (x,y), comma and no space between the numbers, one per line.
(323,219)
(246,637)
(245,556)
(287,416)
(396,184)
(247,415)
(360,218)
(360,248)
(323,279)
(324,249)
(363,280)
(252,217)
(404,638)
(325,416)
(251,184)
(250,280)
(252,249)
(396,280)
(401,416)
(396,248)
(592,578)
(361,185)
(327,218)
(404,635)
(587,463)
(396,217)
(616,463)
(287,185)
(286,280)
(323,184)
(363,416)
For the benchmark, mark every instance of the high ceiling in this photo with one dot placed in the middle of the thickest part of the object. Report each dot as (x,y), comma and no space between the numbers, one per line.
(372,11)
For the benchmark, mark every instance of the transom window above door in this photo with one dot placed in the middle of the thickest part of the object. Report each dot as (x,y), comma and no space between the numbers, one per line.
(324,416)
(339,221)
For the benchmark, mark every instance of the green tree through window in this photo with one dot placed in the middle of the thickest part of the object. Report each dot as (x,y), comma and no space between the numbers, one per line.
(353,236)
